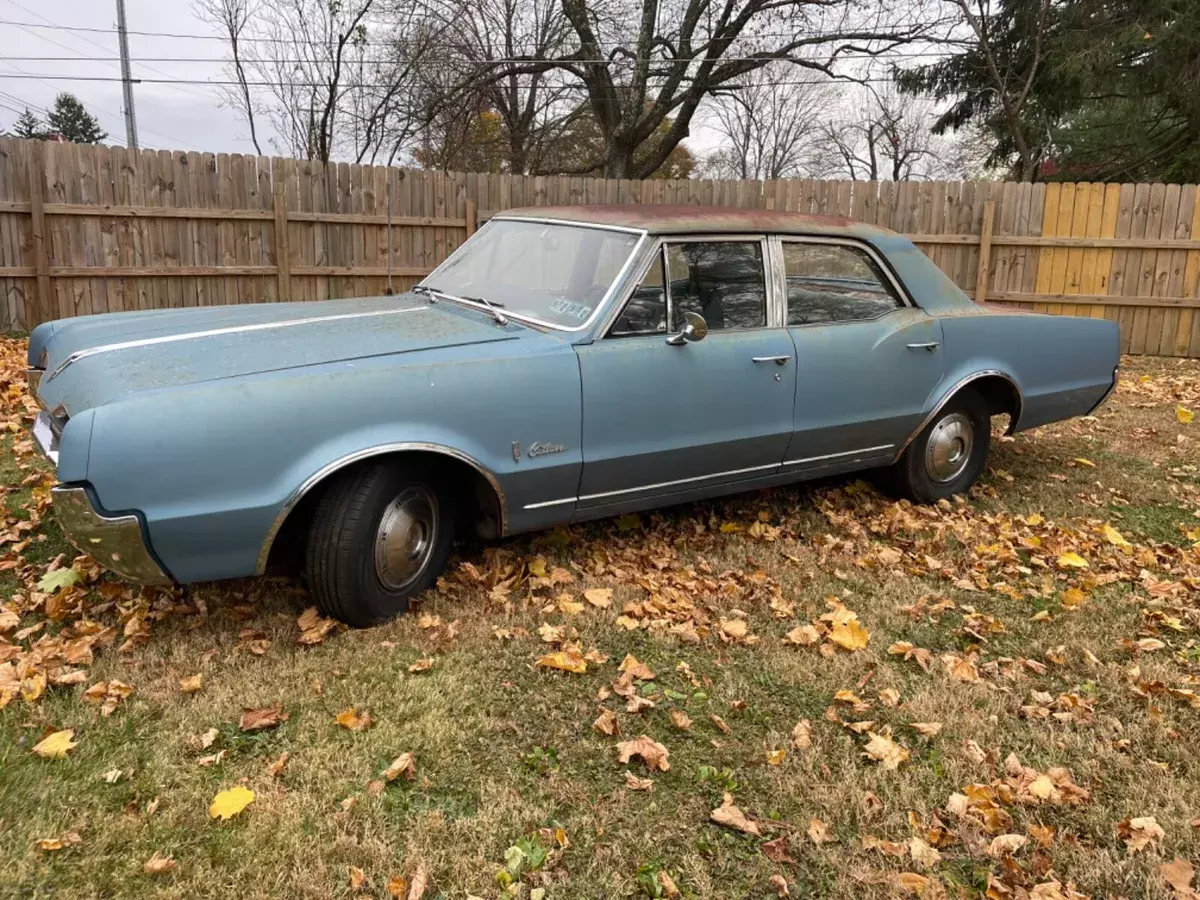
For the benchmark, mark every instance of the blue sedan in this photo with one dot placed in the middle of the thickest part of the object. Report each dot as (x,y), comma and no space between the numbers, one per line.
(563,364)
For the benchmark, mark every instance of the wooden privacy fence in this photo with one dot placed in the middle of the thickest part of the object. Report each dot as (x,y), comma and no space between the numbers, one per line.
(96,229)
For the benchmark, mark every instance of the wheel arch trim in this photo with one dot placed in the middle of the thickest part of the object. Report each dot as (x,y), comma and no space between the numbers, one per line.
(949,394)
(350,459)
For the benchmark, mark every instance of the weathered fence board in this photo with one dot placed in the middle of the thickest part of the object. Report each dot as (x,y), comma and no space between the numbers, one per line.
(99,229)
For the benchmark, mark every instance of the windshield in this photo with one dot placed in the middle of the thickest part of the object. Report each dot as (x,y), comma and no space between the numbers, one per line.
(558,274)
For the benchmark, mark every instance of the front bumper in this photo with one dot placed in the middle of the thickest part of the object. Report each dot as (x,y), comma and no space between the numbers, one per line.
(115,542)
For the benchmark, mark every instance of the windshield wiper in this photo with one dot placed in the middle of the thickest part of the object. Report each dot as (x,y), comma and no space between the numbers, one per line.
(493,306)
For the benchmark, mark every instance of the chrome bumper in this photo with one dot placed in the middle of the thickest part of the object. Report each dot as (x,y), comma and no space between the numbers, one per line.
(44,436)
(116,543)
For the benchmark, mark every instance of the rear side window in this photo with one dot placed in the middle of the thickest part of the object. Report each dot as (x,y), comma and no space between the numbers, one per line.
(834,283)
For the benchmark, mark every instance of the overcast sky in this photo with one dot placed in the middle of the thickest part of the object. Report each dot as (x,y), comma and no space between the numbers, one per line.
(169,116)
(183,117)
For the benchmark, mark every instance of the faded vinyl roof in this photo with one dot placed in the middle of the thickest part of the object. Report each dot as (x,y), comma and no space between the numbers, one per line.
(679,219)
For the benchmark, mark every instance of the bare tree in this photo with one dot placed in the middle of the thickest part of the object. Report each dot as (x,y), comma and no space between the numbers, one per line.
(770,125)
(231,16)
(532,106)
(330,76)
(643,63)
(883,136)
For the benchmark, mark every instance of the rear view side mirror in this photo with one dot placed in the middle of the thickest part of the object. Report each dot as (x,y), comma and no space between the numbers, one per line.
(694,329)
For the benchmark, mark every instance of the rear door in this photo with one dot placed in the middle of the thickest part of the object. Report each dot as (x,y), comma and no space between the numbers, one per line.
(660,418)
(867,360)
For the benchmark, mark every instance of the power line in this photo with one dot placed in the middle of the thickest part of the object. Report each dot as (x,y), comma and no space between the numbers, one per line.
(322,84)
(80,57)
(50,24)
(510,60)
(182,35)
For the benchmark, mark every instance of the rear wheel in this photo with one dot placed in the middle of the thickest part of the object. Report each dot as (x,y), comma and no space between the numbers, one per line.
(380,535)
(948,455)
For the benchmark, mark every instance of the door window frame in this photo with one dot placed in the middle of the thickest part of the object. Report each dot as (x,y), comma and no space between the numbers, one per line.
(776,311)
(905,301)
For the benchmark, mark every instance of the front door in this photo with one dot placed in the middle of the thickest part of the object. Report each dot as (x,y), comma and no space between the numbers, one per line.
(866,361)
(662,418)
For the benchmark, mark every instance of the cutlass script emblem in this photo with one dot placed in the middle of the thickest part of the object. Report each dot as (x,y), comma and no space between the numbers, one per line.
(537,448)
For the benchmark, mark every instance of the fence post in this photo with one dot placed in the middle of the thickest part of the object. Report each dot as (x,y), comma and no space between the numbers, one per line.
(985,250)
(472,217)
(43,310)
(283,262)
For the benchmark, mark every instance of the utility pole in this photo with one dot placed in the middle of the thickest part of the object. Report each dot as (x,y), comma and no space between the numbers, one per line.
(131,140)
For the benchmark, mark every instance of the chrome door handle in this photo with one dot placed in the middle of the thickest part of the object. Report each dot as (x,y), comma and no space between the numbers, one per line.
(930,346)
(778,360)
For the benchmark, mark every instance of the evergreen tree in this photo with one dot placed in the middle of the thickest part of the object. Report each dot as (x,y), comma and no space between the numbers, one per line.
(73,122)
(28,126)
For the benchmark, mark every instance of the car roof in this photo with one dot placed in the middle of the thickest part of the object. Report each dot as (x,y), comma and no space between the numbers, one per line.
(680,219)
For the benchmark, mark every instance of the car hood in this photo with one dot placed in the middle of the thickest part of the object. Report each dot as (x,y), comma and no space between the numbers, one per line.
(92,360)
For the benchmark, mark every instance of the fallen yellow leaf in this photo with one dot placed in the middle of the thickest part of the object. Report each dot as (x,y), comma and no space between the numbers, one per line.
(567,660)
(775,757)
(349,718)
(599,597)
(192,683)
(1140,833)
(1114,537)
(1073,598)
(884,750)
(846,631)
(1184,415)
(228,804)
(1072,561)
(56,745)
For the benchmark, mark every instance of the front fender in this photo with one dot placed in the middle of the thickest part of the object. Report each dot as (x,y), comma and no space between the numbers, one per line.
(212,466)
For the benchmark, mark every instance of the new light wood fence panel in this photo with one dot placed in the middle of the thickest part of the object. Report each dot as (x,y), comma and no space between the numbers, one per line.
(99,229)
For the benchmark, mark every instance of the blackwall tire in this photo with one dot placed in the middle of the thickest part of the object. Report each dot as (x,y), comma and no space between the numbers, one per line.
(949,454)
(380,535)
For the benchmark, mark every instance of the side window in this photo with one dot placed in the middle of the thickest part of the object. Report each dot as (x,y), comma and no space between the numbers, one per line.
(646,311)
(721,280)
(834,283)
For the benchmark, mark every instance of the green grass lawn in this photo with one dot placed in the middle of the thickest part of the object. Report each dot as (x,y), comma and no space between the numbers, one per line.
(1063,696)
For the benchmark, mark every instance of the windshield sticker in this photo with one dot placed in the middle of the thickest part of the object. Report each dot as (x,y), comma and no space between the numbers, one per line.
(567,308)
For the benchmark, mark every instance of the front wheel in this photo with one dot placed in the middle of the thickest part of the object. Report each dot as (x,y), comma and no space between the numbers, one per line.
(949,454)
(381,535)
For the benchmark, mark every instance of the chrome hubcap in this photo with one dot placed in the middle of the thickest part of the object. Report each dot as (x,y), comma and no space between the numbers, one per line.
(404,540)
(949,447)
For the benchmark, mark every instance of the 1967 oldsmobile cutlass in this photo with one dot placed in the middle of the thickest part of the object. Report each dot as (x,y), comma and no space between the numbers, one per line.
(563,364)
